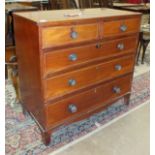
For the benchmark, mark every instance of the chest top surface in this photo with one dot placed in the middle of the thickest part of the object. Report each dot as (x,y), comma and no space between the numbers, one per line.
(72,14)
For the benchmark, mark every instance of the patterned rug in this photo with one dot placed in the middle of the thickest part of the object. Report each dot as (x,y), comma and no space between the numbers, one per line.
(23,135)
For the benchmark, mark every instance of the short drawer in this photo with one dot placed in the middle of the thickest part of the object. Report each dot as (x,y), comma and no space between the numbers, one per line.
(66,83)
(65,35)
(85,101)
(68,58)
(121,27)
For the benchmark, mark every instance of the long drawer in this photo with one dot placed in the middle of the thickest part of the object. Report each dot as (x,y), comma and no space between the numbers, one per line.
(67,58)
(85,101)
(120,27)
(66,83)
(65,35)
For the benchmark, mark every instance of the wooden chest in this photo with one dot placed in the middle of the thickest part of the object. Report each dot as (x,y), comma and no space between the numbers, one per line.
(73,63)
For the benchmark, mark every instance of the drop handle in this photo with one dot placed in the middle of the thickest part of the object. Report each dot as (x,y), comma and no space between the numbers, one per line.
(116,90)
(73,57)
(120,46)
(118,67)
(72,108)
(123,28)
(71,82)
(74,34)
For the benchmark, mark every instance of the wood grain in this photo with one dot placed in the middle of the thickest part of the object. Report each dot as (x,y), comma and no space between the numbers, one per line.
(28,56)
(44,45)
(85,101)
(58,60)
(58,85)
(61,35)
(112,28)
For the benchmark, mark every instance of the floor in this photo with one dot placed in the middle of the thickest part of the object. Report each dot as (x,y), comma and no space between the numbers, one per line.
(127,136)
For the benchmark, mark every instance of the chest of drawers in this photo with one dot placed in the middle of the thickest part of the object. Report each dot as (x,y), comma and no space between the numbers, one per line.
(73,63)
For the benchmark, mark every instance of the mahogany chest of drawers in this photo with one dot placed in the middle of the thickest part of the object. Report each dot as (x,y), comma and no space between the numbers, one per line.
(73,63)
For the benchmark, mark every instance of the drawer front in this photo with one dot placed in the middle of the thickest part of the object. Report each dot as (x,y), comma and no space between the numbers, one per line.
(66,83)
(83,102)
(63,35)
(120,27)
(58,60)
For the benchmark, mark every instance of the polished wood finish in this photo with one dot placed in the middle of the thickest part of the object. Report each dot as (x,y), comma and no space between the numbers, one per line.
(56,36)
(27,50)
(86,100)
(111,28)
(46,136)
(59,85)
(73,66)
(59,60)
(11,8)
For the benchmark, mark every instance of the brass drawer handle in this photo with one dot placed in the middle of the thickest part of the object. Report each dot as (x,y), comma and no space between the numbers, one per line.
(123,28)
(118,67)
(116,90)
(74,35)
(72,108)
(73,57)
(72,82)
(120,46)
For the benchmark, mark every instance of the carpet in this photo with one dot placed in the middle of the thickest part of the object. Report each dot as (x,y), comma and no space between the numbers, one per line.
(23,135)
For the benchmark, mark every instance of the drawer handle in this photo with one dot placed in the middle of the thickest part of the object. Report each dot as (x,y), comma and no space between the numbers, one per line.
(116,90)
(72,82)
(123,28)
(120,46)
(72,108)
(98,45)
(73,57)
(74,35)
(118,67)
